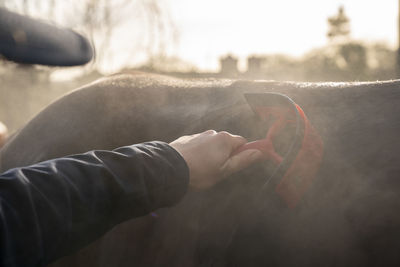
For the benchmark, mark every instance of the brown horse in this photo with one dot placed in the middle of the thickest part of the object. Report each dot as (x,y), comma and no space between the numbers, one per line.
(349,216)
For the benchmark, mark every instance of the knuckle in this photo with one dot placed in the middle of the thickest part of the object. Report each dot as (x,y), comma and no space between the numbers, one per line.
(224,139)
(210,132)
(242,139)
(224,135)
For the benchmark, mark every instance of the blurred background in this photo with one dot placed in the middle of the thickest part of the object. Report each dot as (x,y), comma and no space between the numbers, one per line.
(309,40)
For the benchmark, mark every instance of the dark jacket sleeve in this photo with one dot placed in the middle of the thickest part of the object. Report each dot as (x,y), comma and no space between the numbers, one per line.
(53,208)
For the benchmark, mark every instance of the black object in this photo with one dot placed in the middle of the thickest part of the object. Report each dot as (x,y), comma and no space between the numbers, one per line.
(56,207)
(30,41)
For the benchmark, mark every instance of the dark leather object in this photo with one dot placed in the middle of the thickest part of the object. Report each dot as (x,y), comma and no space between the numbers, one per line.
(30,41)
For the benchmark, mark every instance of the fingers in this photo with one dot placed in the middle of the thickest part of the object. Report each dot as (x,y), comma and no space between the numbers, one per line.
(227,141)
(209,156)
(241,161)
(235,141)
(210,132)
(232,141)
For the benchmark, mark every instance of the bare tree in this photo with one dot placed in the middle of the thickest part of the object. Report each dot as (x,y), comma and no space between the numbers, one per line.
(99,19)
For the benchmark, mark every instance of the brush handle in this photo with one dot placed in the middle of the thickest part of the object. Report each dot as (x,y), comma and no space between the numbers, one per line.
(266,146)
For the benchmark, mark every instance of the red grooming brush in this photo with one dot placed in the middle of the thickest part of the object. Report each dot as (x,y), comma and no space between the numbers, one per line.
(291,143)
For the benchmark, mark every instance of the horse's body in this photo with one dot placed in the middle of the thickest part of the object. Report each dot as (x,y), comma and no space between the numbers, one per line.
(349,217)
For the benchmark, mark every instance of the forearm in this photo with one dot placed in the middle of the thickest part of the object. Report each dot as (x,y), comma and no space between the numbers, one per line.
(53,208)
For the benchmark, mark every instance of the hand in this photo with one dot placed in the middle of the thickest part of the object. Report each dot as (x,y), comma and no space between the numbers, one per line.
(209,156)
(3,134)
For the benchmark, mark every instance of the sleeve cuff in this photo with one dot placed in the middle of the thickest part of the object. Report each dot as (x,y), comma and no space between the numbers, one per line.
(177,183)
(164,171)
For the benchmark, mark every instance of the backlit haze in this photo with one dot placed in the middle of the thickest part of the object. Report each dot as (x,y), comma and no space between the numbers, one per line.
(209,29)
(200,32)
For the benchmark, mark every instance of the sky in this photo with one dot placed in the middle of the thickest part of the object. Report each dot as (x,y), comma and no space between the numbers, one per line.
(209,29)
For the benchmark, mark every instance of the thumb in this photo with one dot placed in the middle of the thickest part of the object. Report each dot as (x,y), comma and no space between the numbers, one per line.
(241,161)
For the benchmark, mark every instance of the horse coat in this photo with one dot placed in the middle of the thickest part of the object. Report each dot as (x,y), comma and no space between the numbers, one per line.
(349,216)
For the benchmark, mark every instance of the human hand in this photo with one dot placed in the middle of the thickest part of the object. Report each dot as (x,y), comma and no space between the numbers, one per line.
(3,134)
(210,156)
